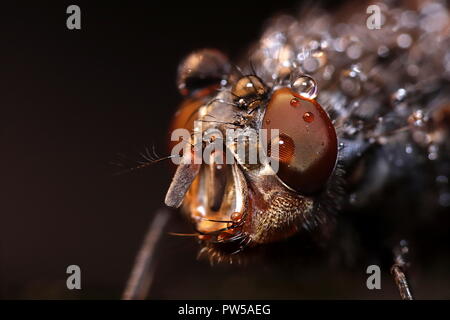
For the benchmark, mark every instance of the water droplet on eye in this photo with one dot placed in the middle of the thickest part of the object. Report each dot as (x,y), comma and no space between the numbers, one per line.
(306,87)
(295,102)
(308,117)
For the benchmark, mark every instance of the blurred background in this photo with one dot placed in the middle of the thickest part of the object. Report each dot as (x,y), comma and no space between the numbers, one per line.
(72,103)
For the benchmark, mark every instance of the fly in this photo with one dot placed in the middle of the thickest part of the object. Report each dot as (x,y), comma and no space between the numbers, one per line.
(362,111)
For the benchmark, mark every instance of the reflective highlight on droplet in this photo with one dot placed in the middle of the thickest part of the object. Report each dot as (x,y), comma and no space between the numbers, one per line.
(305,86)
(308,117)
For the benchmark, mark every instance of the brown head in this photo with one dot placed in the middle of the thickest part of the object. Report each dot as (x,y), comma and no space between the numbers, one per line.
(235,202)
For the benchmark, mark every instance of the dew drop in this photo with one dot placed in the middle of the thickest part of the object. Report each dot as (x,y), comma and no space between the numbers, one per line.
(236,217)
(433,152)
(409,149)
(295,102)
(308,117)
(354,51)
(404,41)
(305,86)
(350,81)
(399,96)
(417,119)
(310,64)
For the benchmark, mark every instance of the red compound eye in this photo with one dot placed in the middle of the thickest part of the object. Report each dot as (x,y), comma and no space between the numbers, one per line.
(307,141)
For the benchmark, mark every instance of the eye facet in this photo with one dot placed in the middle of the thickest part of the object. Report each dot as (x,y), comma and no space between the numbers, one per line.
(201,72)
(249,89)
(307,140)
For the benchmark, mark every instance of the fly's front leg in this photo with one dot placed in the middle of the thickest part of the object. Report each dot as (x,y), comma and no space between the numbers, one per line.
(398,270)
(142,273)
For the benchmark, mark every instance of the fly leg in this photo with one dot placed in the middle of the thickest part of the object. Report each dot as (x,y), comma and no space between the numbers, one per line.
(398,270)
(142,273)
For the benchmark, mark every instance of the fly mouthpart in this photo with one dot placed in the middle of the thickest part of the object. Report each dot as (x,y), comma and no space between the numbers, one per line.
(217,194)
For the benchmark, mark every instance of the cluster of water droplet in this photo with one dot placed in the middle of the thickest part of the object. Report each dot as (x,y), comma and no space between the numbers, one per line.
(382,86)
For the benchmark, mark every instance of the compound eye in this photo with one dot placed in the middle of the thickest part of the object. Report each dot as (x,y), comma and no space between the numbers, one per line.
(202,72)
(307,140)
(249,89)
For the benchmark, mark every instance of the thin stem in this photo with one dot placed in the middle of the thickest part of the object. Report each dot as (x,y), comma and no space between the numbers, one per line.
(399,268)
(143,270)
(401,282)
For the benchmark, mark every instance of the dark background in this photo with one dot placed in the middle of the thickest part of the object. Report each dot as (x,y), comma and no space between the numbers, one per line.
(71,103)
